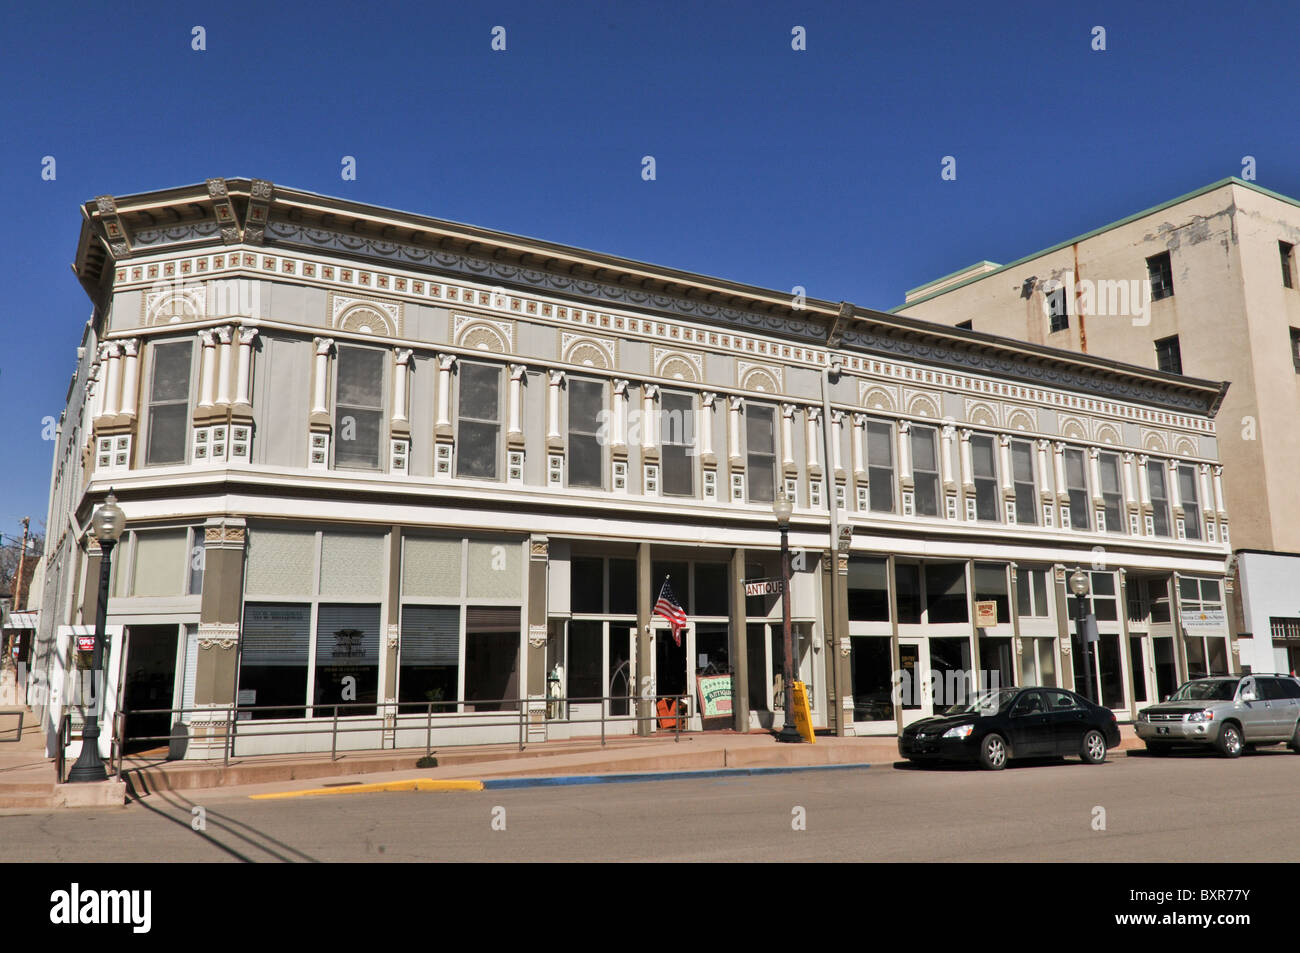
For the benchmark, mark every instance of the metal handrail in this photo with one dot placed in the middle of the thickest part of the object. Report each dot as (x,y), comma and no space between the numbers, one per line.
(386,710)
(60,757)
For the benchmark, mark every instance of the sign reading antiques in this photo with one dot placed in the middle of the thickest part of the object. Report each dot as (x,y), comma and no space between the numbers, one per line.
(763,587)
(986,614)
(715,695)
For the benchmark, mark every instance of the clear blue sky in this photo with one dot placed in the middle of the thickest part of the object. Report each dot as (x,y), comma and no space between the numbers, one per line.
(779,168)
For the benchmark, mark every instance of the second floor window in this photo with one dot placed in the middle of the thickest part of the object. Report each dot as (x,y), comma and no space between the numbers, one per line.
(478,428)
(1159,493)
(586,456)
(169,402)
(1284,250)
(1190,500)
(760,452)
(359,407)
(1169,356)
(880,465)
(1022,473)
(1111,497)
(984,469)
(925,471)
(1076,485)
(677,437)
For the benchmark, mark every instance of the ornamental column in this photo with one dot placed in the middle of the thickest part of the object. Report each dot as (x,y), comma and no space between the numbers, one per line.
(208,369)
(130,377)
(224,336)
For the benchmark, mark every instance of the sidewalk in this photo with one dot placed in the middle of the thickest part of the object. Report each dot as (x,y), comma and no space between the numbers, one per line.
(700,751)
(27,777)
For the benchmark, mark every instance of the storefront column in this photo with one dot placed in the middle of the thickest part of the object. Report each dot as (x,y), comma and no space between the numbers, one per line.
(535,663)
(644,648)
(839,696)
(393,627)
(220,613)
(1063,626)
(738,645)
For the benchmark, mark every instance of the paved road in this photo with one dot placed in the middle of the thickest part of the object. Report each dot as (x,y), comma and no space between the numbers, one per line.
(1185,808)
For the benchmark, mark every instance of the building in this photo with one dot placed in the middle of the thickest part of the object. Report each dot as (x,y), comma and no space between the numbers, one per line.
(375,459)
(1206,285)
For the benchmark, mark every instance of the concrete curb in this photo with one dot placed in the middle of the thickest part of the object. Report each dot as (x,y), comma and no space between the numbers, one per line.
(499,784)
(502,784)
(415,784)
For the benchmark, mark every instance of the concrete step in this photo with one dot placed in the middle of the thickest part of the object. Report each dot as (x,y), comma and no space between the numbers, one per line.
(22,788)
(38,801)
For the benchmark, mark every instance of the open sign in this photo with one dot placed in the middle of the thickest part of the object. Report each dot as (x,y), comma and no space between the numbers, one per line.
(85,643)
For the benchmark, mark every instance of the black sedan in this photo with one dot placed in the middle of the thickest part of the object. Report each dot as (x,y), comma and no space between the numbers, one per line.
(1006,723)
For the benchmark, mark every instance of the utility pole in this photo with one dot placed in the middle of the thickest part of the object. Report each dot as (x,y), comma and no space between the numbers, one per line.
(22,560)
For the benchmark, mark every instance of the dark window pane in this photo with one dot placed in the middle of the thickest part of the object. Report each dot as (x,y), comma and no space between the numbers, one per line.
(870,669)
(476,449)
(586,584)
(945,592)
(357,437)
(347,658)
(585,460)
(711,589)
(273,647)
(491,657)
(430,657)
(585,660)
(907,582)
(622,586)
(360,376)
(168,430)
(171,371)
(678,470)
(868,590)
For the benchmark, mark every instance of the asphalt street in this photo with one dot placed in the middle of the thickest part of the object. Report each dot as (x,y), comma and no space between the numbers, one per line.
(1190,807)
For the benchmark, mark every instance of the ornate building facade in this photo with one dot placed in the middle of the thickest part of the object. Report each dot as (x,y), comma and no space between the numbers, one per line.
(437,474)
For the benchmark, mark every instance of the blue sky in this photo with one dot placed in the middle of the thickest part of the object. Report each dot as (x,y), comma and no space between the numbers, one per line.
(818,168)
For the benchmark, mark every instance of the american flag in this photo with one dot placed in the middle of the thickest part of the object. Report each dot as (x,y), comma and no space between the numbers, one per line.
(666,606)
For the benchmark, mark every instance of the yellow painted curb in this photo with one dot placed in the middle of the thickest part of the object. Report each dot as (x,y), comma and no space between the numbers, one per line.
(415,784)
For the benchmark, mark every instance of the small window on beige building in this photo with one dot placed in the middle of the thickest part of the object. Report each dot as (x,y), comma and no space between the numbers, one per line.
(1161,273)
(1284,250)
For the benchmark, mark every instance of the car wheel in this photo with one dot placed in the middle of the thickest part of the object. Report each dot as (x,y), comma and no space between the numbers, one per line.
(1229,743)
(1094,747)
(1157,750)
(993,753)
(1294,743)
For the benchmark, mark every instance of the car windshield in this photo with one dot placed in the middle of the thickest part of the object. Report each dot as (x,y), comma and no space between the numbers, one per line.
(988,702)
(1217,689)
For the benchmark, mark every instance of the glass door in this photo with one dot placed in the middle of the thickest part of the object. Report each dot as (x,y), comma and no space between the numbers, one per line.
(913,680)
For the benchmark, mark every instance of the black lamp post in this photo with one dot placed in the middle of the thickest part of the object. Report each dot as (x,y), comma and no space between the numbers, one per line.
(1079,586)
(782,508)
(106,525)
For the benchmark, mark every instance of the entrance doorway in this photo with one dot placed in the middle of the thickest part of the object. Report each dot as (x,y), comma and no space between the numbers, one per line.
(150,683)
(1162,648)
(598,669)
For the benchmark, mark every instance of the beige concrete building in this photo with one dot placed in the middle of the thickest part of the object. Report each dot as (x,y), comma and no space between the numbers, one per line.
(416,478)
(1204,285)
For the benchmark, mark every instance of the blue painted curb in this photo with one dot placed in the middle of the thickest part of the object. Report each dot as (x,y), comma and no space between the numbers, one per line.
(500,784)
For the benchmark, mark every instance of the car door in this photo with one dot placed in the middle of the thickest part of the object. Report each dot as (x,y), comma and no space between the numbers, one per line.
(1031,726)
(1290,708)
(1276,705)
(1253,710)
(1069,719)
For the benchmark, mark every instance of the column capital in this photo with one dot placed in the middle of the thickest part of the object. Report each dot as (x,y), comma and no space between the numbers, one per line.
(965,434)
(247,335)
(446,361)
(904,426)
(225,333)
(109,349)
(208,337)
(949,431)
(1043,444)
(131,347)
(736,401)
(323,346)
(1058,446)
(650,391)
(517,371)
(403,355)
(813,413)
(1004,440)
(1129,456)
(1093,453)
(707,397)
(555,378)
(859,420)
(787,410)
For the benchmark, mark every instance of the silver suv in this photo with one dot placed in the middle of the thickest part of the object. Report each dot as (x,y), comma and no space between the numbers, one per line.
(1233,713)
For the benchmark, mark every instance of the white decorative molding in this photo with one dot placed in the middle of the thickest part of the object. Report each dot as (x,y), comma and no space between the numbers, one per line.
(483,334)
(878,397)
(677,364)
(764,378)
(588,351)
(366,315)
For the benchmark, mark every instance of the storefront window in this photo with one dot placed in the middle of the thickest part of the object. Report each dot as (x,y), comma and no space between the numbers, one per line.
(491,658)
(907,583)
(274,642)
(347,658)
(1031,593)
(430,667)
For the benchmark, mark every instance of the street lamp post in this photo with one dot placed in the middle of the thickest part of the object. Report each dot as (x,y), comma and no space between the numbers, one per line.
(106,525)
(782,508)
(1079,586)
